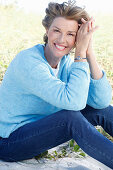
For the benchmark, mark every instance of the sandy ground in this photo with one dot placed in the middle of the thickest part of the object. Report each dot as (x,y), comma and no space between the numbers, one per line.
(61,164)
(66,163)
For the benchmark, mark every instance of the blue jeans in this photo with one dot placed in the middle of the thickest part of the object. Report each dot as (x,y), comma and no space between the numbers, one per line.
(55,129)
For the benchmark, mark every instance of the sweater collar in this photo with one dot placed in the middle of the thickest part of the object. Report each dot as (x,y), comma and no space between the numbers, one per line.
(62,62)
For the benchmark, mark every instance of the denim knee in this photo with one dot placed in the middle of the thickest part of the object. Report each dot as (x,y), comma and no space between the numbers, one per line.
(75,121)
(70,115)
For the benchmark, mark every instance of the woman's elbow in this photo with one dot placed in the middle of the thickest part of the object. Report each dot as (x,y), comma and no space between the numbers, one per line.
(76,104)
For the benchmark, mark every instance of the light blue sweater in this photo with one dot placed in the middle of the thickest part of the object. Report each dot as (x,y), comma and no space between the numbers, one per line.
(31,91)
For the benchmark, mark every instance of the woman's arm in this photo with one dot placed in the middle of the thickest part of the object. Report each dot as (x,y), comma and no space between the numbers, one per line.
(100,91)
(100,94)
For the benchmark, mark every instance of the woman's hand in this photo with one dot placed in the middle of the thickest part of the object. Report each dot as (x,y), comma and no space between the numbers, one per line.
(84,38)
(84,47)
(89,51)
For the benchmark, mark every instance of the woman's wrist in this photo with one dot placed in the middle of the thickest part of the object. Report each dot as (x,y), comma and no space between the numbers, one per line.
(95,70)
(91,58)
(80,56)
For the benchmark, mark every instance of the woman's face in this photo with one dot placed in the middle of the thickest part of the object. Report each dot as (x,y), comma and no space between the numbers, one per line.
(61,36)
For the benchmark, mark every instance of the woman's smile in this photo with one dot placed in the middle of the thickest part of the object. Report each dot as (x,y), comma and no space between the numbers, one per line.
(59,47)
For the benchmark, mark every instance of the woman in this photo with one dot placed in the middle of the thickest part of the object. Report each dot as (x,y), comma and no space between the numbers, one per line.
(46,98)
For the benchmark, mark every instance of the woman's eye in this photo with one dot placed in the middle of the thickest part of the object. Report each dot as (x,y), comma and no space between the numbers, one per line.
(71,35)
(56,30)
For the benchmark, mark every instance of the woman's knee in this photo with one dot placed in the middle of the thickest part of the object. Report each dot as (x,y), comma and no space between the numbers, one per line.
(71,115)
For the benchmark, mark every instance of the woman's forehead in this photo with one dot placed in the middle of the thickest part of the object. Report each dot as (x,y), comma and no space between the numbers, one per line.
(61,22)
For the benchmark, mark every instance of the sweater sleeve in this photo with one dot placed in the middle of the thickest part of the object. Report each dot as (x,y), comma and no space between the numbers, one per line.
(71,95)
(100,93)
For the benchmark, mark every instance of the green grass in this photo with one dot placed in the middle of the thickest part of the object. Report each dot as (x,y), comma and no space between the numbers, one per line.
(71,149)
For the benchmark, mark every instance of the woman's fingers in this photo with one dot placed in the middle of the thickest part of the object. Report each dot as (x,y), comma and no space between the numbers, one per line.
(95,28)
(84,26)
(84,34)
(83,20)
(88,26)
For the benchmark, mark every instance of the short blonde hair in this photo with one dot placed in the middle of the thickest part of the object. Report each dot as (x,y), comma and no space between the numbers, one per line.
(68,10)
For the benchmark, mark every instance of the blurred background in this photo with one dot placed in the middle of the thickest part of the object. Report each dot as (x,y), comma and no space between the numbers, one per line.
(21,28)
(103,6)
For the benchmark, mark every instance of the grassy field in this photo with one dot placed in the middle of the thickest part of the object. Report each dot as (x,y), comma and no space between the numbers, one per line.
(19,31)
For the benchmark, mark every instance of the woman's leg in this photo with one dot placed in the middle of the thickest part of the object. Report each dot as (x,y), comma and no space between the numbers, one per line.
(37,137)
(102,117)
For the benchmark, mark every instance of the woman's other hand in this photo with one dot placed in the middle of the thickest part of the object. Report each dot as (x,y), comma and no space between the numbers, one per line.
(84,38)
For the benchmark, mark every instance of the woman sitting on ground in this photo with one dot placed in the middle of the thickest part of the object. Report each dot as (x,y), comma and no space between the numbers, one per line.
(47,98)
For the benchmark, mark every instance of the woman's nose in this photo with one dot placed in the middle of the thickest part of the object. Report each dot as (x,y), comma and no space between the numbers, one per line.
(62,38)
